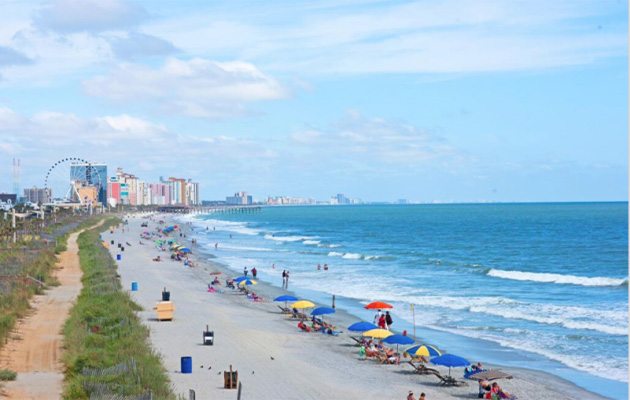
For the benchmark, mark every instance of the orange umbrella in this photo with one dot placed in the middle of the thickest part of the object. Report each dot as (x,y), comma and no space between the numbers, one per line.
(378,305)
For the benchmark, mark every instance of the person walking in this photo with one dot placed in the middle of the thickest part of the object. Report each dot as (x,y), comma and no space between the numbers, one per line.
(245,271)
(254,272)
(287,281)
(284,278)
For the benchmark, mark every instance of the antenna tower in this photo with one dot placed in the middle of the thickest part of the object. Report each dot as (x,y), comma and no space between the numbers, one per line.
(16,176)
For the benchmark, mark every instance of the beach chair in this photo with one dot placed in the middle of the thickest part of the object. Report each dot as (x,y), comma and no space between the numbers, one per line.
(447,380)
(285,310)
(422,369)
(359,340)
(298,315)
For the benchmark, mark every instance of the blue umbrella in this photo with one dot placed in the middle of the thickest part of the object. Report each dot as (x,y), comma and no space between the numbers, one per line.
(398,339)
(246,281)
(285,297)
(362,326)
(323,311)
(450,360)
(240,278)
(185,250)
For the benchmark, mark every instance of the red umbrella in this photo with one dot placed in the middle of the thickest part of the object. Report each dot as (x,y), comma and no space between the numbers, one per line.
(378,305)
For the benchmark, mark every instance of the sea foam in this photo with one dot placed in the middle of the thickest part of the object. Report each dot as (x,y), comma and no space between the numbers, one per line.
(557,278)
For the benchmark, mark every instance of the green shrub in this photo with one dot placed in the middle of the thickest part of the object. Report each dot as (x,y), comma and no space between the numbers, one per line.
(7,375)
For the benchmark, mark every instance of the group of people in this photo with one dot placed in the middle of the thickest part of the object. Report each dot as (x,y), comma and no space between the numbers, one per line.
(492,391)
(383,320)
(319,267)
(285,279)
(254,272)
(411,397)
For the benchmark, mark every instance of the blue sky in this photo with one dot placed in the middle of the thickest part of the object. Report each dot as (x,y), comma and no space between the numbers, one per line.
(429,101)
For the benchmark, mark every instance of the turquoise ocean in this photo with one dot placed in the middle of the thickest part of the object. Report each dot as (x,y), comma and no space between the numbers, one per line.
(540,286)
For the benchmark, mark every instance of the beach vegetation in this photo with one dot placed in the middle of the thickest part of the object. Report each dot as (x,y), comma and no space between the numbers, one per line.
(106,347)
(7,375)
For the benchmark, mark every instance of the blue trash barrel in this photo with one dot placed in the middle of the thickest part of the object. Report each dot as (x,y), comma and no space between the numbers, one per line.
(134,286)
(118,257)
(187,365)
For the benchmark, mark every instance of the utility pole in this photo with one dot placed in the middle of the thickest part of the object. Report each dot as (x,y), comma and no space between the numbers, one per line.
(13,226)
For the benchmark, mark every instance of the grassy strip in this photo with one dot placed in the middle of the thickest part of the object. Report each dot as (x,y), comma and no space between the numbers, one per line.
(103,331)
(15,303)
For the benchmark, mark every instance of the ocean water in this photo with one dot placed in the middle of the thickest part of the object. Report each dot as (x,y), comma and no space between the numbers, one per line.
(541,286)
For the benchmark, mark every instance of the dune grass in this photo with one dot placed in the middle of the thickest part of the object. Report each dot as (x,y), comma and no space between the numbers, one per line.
(106,346)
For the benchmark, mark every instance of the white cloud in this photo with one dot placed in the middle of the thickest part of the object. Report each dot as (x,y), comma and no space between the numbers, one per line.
(374,142)
(440,36)
(69,16)
(197,88)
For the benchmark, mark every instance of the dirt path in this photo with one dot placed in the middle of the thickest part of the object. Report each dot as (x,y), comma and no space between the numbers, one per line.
(34,351)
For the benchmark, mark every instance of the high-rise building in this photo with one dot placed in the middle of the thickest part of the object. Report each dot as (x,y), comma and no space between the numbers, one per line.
(85,173)
(192,193)
(240,198)
(37,195)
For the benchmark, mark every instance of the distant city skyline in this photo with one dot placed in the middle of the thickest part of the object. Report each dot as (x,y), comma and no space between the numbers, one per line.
(432,101)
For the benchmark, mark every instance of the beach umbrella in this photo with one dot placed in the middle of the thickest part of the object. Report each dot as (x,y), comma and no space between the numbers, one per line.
(377,333)
(323,311)
(285,298)
(423,350)
(185,250)
(490,375)
(362,326)
(302,304)
(450,360)
(378,305)
(398,339)
(248,282)
(240,278)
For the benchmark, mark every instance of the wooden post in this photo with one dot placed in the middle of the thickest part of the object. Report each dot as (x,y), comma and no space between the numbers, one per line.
(240,388)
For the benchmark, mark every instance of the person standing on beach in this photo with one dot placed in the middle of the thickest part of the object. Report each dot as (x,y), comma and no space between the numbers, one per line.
(284,278)
(245,271)
(254,272)
(410,396)
(287,281)
(388,320)
(377,317)
(381,322)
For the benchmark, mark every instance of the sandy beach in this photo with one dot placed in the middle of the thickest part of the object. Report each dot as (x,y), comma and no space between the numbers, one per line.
(274,359)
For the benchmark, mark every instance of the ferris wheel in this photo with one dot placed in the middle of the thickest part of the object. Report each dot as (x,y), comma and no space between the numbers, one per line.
(73,180)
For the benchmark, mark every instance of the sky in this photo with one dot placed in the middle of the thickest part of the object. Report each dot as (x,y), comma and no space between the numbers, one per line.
(436,100)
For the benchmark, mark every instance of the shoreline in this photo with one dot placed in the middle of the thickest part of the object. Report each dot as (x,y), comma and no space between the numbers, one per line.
(526,384)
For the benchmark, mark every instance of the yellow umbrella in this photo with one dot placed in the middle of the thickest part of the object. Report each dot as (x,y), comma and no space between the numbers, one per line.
(302,304)
(248,282)
(377,333)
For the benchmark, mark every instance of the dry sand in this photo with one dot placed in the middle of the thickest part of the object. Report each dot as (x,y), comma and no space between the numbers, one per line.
(274,359)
